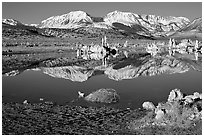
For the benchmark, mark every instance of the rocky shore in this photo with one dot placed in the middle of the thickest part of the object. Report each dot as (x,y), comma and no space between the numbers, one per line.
(181,114)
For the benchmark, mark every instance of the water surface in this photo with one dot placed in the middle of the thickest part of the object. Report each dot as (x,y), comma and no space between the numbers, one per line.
(61,84)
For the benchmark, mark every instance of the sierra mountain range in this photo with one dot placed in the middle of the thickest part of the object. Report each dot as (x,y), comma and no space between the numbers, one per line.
(151,26)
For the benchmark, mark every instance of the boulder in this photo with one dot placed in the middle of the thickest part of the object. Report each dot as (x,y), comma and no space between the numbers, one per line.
(191,98)
(159,114)
(148,105)
(175,95)
(188,99)
(178,110)
(103,96)
(197,95)
(201,96)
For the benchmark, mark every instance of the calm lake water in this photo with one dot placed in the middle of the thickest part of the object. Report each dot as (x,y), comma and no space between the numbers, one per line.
(61,84)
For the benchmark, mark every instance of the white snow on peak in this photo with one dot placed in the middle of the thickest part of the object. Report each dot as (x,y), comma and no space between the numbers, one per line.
(121,17)
(11,22)
(164,20)
(67,20)
(132,18)
(35,25)
(153,23)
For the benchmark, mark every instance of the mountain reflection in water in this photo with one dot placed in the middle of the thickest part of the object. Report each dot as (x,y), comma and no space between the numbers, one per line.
(138,66)
(130,67)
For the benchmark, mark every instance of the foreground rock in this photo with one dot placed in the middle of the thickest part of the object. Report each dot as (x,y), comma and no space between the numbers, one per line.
(179,111)
(175,95)
(148,105)
(103,96)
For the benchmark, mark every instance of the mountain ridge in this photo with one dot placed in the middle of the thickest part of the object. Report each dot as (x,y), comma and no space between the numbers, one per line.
(125,23)
(196,24)
(76,19)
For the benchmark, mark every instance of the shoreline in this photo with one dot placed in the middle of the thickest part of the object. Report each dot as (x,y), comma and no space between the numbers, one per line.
(49,118)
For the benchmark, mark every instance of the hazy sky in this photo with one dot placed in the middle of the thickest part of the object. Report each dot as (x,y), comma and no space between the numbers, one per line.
(34,12)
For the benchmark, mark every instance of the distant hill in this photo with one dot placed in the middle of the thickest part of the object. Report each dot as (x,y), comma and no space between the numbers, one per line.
(12,22)
(17,30)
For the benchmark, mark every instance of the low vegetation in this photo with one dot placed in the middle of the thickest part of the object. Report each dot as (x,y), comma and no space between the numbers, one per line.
(49,118)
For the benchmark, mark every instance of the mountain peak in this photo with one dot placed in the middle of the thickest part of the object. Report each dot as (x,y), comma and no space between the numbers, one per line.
(119,13)
(116,11)
(72,19)
(126,18)
(153,23)
(35,25)
(79,15)
(12,22)
(78,12)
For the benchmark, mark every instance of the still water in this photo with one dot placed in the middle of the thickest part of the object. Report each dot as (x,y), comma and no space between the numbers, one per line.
(150,80)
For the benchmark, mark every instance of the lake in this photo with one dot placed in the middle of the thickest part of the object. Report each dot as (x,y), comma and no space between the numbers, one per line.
(135,77)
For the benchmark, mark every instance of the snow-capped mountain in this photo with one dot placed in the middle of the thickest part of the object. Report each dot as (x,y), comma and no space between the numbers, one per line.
(150,22)
(195,25)
(16,23)
(34,25)
(77,19)
(70,20)
(11,22)
(159,23)
(114,23)
(125,18)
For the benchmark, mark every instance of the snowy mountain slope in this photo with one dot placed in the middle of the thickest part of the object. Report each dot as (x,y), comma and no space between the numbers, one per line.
(195,25)
(34,25)
(70,20)
(159,23)
(125,18)
(153,23)
(122,23)
(12,22)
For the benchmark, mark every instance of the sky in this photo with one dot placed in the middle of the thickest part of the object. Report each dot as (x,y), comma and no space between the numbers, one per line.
(35,12)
